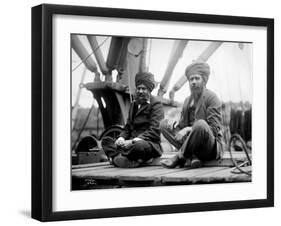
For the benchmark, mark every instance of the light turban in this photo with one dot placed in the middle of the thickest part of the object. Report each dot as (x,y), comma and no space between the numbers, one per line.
(200,68)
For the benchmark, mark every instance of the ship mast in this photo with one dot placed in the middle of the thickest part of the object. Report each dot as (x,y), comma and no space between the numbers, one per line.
(207,53)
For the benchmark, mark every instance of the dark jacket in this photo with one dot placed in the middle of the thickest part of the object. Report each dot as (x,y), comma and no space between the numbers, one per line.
(145,123)
(208,109)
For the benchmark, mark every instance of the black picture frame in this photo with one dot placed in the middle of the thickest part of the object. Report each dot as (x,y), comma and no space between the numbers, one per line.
(42,107)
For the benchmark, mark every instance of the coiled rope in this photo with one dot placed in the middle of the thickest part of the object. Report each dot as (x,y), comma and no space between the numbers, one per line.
(247,162)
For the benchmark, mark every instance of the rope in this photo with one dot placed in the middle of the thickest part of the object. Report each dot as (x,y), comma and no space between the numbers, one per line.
(90,54)
(149,53)
(130,88)
(129,84)
(244,147)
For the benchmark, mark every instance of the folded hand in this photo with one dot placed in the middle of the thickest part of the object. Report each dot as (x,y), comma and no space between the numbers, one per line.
(128,144)
(183,132)
(120,141)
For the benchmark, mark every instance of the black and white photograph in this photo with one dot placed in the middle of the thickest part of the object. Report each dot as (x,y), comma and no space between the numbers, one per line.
(139,113)
(143,112)
(154,111)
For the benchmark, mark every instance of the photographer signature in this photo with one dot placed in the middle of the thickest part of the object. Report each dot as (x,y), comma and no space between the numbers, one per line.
(90,181)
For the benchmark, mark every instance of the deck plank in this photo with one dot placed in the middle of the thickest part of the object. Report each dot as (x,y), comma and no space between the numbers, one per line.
(226,175)
(189,175)
(213,171)
(110,172)
(93,169)
(154,174)
(90,165)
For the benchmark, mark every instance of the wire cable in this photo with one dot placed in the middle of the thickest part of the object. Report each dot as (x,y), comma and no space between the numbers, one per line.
(81,130)
(90,54)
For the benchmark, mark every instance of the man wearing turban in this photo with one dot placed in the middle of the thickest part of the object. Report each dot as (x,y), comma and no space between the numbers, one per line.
(140,140)
(198,134)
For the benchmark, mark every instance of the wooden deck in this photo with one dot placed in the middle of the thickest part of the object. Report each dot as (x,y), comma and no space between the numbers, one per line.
(104,175)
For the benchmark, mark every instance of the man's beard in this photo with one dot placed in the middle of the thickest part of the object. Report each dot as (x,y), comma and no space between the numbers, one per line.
(142,98)
(196,91)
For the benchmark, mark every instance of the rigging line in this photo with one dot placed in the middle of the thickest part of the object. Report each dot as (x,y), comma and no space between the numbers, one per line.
(240,88)
(217,77)
(125,44)
(239,81)
(228,83)
(129,84)
(78,97)
(149,53)
(228,86)
(217,80)
(90,54)
(83,127)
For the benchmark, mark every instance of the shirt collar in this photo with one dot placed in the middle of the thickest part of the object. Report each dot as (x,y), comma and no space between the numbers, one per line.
(148,101)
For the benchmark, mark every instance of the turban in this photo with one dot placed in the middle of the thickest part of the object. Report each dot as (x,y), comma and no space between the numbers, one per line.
(199,68)
(145,78)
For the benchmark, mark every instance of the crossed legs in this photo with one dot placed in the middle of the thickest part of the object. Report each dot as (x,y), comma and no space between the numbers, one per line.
(139,152)
(199,144)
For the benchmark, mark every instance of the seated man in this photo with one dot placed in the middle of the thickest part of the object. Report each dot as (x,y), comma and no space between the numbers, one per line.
(140,140)
(198,134)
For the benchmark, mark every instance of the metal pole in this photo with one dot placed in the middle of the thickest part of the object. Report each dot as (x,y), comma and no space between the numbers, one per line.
(176,54)
(143,66)
(99,57)
(208,52)
(84,56)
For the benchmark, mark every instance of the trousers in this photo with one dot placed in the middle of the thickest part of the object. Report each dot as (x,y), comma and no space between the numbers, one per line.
(139,150)
(200,142)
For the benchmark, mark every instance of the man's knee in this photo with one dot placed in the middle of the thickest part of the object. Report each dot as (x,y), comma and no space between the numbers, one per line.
(200,124)
(139,150)
(140,145)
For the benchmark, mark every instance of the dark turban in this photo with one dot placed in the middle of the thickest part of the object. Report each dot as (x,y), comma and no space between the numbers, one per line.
(199,68)
(145,78)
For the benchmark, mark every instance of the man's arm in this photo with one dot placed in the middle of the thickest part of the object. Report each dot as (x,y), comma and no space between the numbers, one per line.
(214,117)
(126,133)
(183,122)
(180,135)
(153,132)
